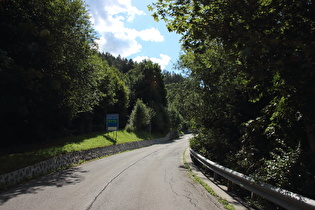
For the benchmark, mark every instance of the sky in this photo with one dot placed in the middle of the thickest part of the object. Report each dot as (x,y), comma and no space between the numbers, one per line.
(126,28)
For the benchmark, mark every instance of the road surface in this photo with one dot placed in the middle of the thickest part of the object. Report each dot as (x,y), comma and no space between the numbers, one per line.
(148,178)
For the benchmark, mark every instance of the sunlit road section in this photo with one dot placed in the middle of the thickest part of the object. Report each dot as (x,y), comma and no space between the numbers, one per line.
(148,178)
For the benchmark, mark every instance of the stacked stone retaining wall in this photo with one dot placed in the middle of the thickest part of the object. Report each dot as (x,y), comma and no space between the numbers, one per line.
(66,160)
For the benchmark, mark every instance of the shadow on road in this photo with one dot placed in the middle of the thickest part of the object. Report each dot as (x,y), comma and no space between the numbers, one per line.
(69,176)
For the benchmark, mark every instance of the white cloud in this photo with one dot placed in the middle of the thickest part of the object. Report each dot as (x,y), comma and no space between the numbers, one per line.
(151,34)
(116,46)
(162,61)
(109,17)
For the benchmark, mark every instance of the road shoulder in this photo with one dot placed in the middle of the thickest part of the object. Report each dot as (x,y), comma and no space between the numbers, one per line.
(220,190)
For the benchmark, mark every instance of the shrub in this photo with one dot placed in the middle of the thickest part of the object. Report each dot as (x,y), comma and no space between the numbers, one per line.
(140,117)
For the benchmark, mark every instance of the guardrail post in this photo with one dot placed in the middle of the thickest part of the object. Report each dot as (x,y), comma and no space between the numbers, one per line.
(215,176)
(229,186)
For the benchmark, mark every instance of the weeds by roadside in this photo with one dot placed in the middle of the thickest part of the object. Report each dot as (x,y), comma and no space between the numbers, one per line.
(195,178)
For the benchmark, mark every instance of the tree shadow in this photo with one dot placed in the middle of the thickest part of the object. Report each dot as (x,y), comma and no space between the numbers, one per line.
(69,176)
(57,143)
(148,136)
(109,138)
(39,152)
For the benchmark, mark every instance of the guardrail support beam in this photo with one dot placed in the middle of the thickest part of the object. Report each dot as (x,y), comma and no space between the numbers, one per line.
(281,197)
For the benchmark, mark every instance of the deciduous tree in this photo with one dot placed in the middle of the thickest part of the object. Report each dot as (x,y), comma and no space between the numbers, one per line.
(255,63)
(146,83)
(45,76)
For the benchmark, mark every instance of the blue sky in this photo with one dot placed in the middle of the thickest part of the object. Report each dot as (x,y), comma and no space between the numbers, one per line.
(126,28)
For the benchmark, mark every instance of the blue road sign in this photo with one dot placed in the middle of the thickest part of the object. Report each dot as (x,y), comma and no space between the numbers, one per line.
(112,122)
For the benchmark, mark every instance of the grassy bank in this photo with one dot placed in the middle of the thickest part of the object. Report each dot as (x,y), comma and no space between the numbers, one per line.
(70,144)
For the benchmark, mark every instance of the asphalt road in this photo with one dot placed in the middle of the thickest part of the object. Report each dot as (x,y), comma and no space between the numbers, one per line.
(148,178)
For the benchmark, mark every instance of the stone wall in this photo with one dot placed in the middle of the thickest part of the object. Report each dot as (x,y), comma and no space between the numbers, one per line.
(66,160)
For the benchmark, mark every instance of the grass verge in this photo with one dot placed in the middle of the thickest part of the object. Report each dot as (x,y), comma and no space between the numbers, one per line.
(195,178)
(57,147)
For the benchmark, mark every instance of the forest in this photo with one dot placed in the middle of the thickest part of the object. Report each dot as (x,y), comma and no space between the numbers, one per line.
(54,82)
(248,90)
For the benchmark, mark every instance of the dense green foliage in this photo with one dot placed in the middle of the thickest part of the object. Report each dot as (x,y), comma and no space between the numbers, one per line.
(183,100)
(113,94)
(123,64)
(254,63)
(45,49)
(54,83)
(171,77)
(146,82)
(140,117)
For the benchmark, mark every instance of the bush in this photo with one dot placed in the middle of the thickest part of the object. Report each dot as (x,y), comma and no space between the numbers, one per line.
(140,117)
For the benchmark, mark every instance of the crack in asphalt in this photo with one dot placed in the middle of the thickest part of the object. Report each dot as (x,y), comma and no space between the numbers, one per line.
(104,188)
(170,182)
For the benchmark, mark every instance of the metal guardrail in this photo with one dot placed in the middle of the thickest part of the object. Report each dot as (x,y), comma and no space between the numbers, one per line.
(281,197)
